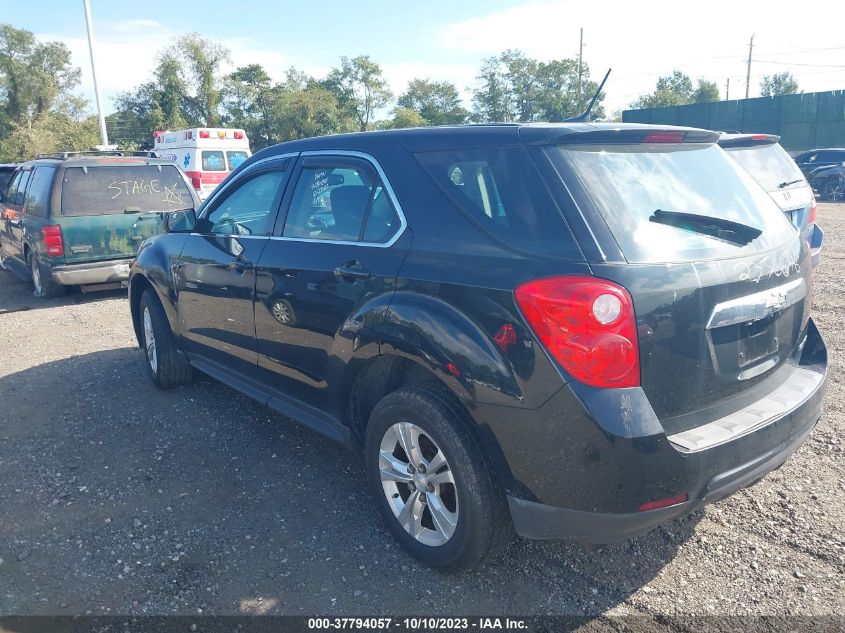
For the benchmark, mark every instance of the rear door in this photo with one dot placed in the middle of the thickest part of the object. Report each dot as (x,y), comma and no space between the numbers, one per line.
(13,241)
(336,252)
(215,280)
(720,310)
(106,211)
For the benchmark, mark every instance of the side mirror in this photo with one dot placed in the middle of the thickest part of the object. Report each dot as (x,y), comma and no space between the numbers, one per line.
(184,221)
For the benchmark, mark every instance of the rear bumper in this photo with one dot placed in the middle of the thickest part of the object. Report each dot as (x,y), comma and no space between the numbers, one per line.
(588,485)
(539,521)
(113,270)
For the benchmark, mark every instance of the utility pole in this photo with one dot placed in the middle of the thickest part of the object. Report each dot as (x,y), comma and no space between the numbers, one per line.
(748,73)
(104,137)
(580,57)
(728,89)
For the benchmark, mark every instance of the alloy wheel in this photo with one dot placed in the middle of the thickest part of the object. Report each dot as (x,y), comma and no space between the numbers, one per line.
(150,341)
(281,312)
(418,484)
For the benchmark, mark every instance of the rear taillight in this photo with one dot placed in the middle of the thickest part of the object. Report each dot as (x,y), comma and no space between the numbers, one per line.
(196,183)
(53,240)
(587,325)
(812,218)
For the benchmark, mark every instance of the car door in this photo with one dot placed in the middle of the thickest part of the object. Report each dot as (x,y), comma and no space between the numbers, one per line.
(13,241)
(327,274)
(215,280)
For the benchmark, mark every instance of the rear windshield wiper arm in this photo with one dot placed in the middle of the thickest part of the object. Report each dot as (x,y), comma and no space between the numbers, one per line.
(791,182)
(720,228)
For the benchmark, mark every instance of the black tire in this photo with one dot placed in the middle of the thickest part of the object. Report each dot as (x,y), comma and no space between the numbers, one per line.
(483,528)
(43,284)
(166,365)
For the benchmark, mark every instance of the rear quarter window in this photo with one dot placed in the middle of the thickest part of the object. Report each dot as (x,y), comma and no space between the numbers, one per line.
(40,188)
(105,190)
(500,191)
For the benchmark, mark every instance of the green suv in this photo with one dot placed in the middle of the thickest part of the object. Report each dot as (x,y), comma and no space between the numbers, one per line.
(77,219)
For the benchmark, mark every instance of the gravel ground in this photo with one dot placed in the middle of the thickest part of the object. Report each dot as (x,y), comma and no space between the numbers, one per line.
(118,498)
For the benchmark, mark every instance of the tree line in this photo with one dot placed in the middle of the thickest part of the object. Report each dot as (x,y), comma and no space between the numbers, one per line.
(193,84)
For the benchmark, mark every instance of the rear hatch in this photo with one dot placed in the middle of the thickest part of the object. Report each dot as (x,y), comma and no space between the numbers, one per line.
(719,278)
(108,210)
(768,163)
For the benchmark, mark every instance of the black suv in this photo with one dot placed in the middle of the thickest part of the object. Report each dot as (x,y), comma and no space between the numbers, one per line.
(576,331)
(815,158)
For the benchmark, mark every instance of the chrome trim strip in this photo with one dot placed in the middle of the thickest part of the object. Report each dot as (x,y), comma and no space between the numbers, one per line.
(757,306)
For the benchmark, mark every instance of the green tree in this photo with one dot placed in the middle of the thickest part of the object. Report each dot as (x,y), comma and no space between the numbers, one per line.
(203,59)
(671,90)
(248,98)
(705,92)
(517,88)
(359,87)
(492,100)
(436,102)
(313,111)
(404,118)
(35,77)
(778,84)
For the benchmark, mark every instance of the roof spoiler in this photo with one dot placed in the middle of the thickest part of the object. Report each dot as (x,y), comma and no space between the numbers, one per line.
(584,117)
(652,135)
(749,140)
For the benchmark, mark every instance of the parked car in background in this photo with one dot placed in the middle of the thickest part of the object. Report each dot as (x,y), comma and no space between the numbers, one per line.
(829,182)
(572,330)
(815,158)
(207,155)
(78,218)
(6,171)
(762,156)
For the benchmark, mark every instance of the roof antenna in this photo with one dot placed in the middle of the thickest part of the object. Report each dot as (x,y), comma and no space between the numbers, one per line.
(584,117)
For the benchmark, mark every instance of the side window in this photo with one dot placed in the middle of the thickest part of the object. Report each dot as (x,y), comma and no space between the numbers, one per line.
(340,200)
(13,188)
(20,193)
(244,209)
(40,188)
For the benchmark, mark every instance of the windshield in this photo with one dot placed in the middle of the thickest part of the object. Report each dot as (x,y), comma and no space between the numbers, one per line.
(105,190)
(628,183)
(770,165)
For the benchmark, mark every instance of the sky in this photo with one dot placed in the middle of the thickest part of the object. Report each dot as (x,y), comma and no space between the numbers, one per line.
(442,40)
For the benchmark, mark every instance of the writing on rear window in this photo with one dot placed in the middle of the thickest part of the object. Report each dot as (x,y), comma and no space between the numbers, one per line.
(96,190)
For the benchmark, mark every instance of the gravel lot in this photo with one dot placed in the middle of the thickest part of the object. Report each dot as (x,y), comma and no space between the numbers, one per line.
(118,498)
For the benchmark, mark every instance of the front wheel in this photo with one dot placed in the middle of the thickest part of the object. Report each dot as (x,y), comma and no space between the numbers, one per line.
(166,366)
(432,483)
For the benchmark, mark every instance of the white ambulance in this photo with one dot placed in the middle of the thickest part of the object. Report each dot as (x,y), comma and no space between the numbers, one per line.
(205,154)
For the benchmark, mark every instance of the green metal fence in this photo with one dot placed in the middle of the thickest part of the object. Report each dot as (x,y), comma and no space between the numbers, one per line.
(805,121)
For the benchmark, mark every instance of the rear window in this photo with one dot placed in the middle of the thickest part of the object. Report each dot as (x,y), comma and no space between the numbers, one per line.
(770,165)
(213,161)
(500,191)
(117,189)
(628,183)
(235,159)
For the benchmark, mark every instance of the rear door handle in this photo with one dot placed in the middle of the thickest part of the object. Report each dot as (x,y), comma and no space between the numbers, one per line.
(352,270)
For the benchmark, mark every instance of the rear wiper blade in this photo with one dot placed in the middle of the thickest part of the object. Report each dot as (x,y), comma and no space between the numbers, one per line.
(791,182)
(720,228)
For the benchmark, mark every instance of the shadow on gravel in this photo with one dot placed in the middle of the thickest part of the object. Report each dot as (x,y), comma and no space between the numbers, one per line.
(16,295)
(116,495)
